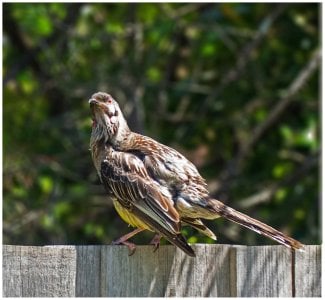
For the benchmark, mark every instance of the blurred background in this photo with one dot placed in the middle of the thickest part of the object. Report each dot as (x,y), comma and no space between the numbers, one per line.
(234,87)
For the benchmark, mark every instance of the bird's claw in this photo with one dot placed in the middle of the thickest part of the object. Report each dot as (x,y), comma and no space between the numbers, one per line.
(155,242)
(131,246)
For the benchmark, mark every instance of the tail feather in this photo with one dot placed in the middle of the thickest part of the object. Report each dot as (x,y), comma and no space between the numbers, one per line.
(198,225)
(180,242)
(253,224)
(175,238)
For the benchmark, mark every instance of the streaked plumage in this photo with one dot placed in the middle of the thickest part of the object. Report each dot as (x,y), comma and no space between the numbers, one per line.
(155,187)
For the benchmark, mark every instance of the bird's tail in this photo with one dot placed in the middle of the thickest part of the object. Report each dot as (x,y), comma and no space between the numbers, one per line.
(253,224)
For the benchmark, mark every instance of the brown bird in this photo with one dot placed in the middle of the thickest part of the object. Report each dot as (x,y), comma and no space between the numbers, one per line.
(153,186)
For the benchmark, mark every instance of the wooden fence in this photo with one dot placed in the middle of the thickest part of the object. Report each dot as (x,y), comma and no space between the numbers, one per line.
(108,271)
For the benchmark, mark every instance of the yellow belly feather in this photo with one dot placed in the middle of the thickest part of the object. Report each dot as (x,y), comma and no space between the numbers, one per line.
(128,217)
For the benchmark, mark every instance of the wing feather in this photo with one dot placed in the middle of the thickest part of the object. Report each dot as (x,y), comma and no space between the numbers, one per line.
(126,175)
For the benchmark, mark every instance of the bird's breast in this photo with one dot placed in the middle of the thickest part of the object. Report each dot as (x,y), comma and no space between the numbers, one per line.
(128,217)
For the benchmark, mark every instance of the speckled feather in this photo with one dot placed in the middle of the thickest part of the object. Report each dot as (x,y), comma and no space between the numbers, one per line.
(157,188)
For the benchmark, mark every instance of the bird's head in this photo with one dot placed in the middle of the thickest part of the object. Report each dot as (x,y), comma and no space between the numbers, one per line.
(108,121)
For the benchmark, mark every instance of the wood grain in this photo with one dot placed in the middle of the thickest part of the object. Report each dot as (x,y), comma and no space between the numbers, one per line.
(308,272)
(263,271)
(39,271)
(108,271)
(88,271)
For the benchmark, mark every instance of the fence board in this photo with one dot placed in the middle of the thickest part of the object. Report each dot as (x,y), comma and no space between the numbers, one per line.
(88,271)
(144,274)
(39,271)
(206,275)
(308,272)
(263,271)
(108,271)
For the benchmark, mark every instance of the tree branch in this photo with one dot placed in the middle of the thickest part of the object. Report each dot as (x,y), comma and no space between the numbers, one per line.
(234,166)
(29,56)
(245,54)
(281,105)
(266,194)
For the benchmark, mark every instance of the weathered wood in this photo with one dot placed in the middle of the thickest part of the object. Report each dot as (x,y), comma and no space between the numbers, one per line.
(39,271)
(145,274)
(208,274)
(308,272)
(263,271)
(166,272)
(108,271)
(88,271)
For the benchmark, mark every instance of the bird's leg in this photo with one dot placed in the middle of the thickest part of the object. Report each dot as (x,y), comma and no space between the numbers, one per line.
(156,241)
(123,240)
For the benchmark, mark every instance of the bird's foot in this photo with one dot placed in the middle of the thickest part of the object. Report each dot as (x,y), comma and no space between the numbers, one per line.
(123,240)
(131,246)
(155,242)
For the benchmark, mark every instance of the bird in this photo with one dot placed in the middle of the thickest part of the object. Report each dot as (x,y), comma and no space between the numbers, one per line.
(153,186)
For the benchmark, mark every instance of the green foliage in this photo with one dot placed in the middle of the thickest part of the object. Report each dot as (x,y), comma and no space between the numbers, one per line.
(203,78)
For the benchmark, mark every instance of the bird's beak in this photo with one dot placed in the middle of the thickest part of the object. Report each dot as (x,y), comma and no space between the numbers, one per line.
(92,101)
(110,110)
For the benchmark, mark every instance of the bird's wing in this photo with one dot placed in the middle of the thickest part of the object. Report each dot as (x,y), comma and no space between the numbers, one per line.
(172,170)
(126,175)
(165,163)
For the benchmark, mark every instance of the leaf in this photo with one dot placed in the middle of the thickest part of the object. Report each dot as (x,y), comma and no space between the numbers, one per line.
(46,184)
